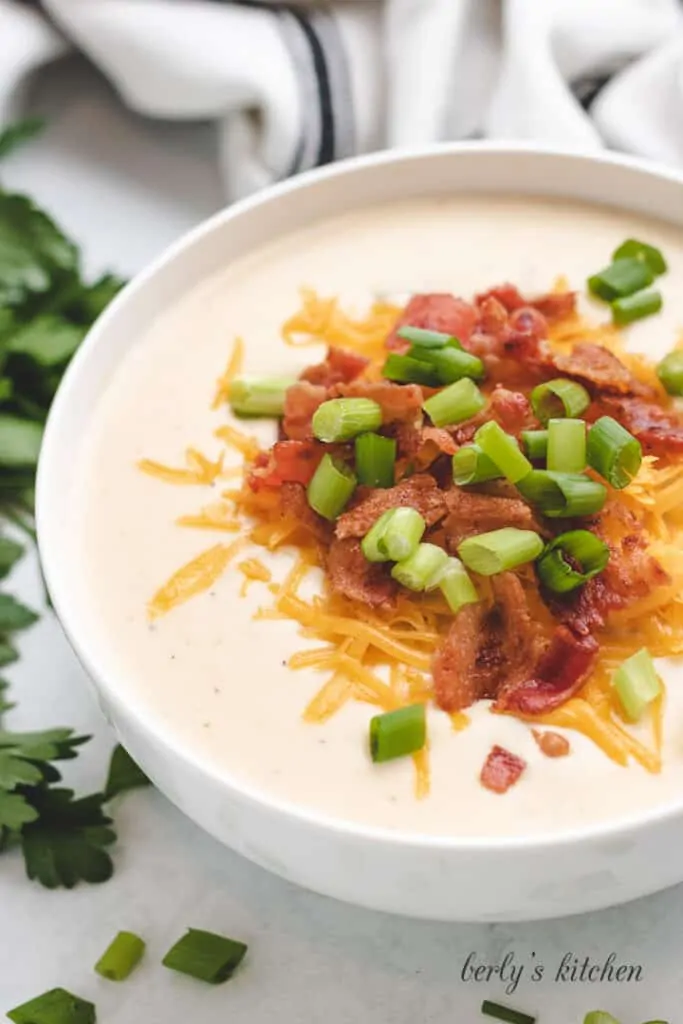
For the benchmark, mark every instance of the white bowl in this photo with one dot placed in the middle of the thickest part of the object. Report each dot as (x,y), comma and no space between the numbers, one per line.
(421,876)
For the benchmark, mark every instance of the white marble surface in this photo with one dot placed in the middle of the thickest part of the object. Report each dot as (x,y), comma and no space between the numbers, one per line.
(126,187)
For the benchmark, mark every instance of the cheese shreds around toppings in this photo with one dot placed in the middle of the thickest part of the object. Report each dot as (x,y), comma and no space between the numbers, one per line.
(232,370)
(193,578)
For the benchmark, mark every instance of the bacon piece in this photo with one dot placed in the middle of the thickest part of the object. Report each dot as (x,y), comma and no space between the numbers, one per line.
(350,574)
(301,401)
(294,505)
(399,402)
(286,462)
(507,295)
(339,367)
(470,513)
(437,311)
(561,671)
(510,409)
(660,431)
(419,492)
(501,770)
(600,370)
(552,744)
(555,305)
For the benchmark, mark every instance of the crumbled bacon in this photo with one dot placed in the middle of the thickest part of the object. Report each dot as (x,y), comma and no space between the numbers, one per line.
(510,409)
(507,295)
(600,370)
(419,492)
(353,576)
(399,402)
(552,744)
(286,462)
(294,506)
(553,305)
(339,367)
(437,311)
(501,770)
(301,401)
(660,431)
(470,513)
(560,672)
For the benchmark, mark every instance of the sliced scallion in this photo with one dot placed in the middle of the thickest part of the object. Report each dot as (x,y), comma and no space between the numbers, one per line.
(563,495)
(205,956)
(572,559)
(505,1013)
(632,248)
(500,550)
(259,396)
(623,277)
(421,569)
(426,338)
(559,397)
(635,307)
(503,451)
(341,419)
(371,546)
(670,372)
(535,444)
(54,1007)
(402,533)
(375,460)
(332,485)
(613,453)
(398,733)
(566,445)
(407,370)
(472,466)
(456,586)
(121,957)
(637,684)
(451,364)
(455,404)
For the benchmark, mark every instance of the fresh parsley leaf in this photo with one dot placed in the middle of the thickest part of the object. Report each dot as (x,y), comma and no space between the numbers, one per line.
(17,771)
(54,1007)
(20,441)
(49,340)
(10,552)
(5,705)
(14,614)
(33,251)
(8,654)
(124,774)
(15,811)
(65,844)
(94,300)
(21,131)
(48,745)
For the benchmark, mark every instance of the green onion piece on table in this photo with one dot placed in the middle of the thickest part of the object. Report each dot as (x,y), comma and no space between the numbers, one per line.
(563,495)
(450,364)
(402,533)
(566,445)
(259,396)
(456,586)
(670,372)
(375,460)
(505,1013)
(623,277)
(637,684)
(406,370)
(426,338)
(398,733)
(613,453)
(535,444)
(472,466)
(422,569)
(371,546)
(121,957)
(54,1007)
(503,451)
(632,248)
(559,397)
(600,1017)
(500,550)
(205,956)
(455,404)
(332,485)
(342,419)
(572,559)
(635,307)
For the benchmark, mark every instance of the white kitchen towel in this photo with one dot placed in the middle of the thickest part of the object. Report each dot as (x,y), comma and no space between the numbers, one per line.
(294,85)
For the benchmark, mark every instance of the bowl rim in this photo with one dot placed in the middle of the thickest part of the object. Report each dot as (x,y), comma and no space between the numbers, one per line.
(150,725)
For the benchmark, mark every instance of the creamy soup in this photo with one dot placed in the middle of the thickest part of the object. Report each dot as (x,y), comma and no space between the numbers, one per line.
(216,678)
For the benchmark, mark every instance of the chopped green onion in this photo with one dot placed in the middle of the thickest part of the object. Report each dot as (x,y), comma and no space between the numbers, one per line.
(370,545)
(259,396)
(571,560)
(670,372)
(559,397)
(455,404)
(406,370)
(635,307)
(632,248)
(613,453)
(375,460)
(503,451)
(623,277)
(427,339)
(456,586)
(398,733)
(566,445)
(505,1013)
(451,364)
(500,550)
(402,533)
(637,684)
(421,570)
(54,1007)
(332,485)
(600,1017)
(341,419)
(535,444)
(563,495)
(205,956)
(472,466)
(121,957)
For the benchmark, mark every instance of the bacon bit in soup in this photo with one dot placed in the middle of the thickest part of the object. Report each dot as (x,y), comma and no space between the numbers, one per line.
(501,770)
(552,744)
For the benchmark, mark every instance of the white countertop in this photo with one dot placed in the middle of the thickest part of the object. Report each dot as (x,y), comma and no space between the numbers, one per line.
(127,187)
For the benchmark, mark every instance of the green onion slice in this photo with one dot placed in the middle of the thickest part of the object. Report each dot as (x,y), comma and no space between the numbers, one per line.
(566,445)
(121,957)
(427,339)
(503,451)
(637,684)
(259,396)
(505,1013)
(472,466)
(402,533)
(341,419)
(371,545)
(613,453)
(398,733)
(450,364)
(422,569)
(623,277)
(332,485)
(632,248)
(670,372)
(375,460)
(54,1007)
(205,956)
(500,550)
(563,495)
(406,370)
(559,397)
(455,404)
(456,586)
(635,307)
(535,444)
(571,560)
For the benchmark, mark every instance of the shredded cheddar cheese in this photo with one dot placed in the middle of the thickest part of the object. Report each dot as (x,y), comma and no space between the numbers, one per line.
(198,469)
(234,367)
(217,516)
(322,320)
(193,578)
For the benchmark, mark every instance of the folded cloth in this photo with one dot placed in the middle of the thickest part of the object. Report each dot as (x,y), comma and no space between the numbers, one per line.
(295,85)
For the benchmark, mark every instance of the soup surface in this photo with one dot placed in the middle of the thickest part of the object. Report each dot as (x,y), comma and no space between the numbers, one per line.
(215,678)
